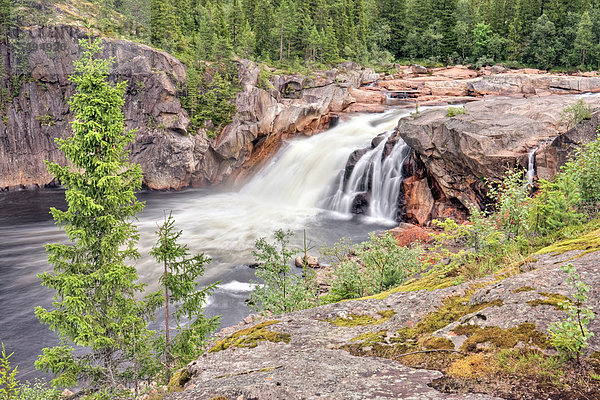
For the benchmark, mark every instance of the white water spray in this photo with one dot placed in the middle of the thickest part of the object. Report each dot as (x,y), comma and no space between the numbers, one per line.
(531,166)
(371,173)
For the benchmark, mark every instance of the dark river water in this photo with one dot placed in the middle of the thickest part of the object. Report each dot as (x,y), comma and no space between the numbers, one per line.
(286,194)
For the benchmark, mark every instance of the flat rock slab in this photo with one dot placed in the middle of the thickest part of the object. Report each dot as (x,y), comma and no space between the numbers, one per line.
(285,371)
(313,364)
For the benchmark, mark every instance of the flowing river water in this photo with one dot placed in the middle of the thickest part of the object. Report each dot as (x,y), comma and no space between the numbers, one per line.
(287,193)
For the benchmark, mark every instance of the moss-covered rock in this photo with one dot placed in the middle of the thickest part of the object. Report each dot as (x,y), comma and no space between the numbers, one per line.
(551,299)
(526,334)
(250,337)
(353,320)
(586,244)
(178,380)
(438,343)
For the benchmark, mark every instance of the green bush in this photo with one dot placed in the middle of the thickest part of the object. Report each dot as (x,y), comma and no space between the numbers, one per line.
(511,196)
(380,264)
(584,169)
(454,111)
(555,206)
(9,385)
(38,390)
(281,290)
(570,336)
(576,113)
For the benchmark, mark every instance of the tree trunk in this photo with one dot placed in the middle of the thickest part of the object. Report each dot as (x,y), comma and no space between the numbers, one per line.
(166,318)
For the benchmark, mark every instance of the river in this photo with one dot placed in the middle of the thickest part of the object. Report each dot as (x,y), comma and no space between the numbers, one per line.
(287,193)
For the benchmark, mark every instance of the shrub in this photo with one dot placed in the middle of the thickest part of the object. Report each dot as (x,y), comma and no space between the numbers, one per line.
(454,111)
(584,169)
(386,263)
(511,197)
(576,113)
(348,282)
(555,206)
(281,290)
(38,390)
(570,336)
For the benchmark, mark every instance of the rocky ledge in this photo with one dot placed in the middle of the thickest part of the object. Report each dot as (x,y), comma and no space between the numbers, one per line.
(358,349)
(453,156)
(35,86)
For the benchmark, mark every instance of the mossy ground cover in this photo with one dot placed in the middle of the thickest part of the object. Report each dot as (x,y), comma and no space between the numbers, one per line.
(511,363)
(354,320)
(251,337)
(586,244)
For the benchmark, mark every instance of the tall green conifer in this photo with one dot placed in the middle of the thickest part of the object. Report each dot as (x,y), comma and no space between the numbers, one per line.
(94,305)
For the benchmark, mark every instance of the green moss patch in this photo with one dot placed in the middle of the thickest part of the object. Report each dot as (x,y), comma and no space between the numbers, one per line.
(438,343)
(250,337)
(431,281)
(523,289)
(353,320)
(501,338)
(588,243)
(178,380)
(551,299)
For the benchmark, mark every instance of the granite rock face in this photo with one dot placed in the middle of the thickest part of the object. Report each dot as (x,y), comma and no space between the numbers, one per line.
(453,156)
(38,61)
(314,364)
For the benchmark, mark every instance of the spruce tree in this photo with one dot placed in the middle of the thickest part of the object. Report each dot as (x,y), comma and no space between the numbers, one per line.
(179,280)
(94,306)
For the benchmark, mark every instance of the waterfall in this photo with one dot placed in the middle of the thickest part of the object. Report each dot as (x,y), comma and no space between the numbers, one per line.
(286,193)
(387,184)
(375,179)
(531,166)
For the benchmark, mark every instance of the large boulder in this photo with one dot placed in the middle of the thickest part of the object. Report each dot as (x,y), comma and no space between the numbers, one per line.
(459,154)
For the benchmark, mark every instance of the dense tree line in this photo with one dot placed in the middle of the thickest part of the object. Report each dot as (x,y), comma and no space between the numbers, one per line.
(541,33)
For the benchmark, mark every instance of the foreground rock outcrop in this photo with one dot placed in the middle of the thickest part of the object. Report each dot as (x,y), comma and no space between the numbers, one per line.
(36,89)
(327,352)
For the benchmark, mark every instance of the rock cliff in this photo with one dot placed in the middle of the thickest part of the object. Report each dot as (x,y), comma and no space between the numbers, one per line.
(35,92)
(453,156)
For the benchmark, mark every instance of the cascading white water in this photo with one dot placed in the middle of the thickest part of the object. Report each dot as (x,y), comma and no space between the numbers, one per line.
(386,185)
(368,165)
(284,194)
(382,178)
(531,166)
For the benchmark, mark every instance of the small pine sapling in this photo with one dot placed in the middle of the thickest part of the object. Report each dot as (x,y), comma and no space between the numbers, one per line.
(9,385)
(179,280)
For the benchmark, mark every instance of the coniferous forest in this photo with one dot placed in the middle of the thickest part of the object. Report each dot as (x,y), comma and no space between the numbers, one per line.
(558,34)
(561,34)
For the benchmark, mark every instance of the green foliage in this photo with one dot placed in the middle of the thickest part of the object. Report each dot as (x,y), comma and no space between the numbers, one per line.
(179,279)
(379,264)
(454,111)
(281,290)
(95,304)
(209,97)
(576,113)
(38,390)
(570,336)
(348,282)
(584,169)
(9,385)
(511,197)
(386,263)
(555,206)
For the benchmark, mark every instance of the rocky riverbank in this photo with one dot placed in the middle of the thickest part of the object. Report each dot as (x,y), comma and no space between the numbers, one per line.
(358,349)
